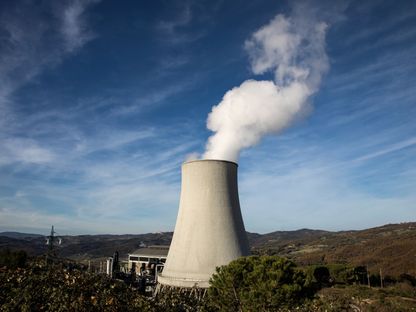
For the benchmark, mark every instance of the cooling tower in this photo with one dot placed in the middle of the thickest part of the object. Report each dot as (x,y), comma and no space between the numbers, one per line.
(209,229)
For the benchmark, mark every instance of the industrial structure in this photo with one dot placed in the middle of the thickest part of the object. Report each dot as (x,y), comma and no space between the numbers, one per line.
(141,269)
(209,229)
(149,257)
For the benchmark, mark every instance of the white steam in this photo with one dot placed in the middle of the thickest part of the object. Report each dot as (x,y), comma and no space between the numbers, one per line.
(292,48)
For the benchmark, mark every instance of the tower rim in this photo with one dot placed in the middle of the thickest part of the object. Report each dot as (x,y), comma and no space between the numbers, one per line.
(209,160)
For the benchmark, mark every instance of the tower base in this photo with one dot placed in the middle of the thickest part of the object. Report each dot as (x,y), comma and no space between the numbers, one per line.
(183,282)
(195,292)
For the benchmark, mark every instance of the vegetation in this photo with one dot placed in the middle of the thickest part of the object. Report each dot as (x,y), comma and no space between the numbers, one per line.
(322,276)
(266,283)
(62,288)
(12,259)
(269,282)
(257,283)
(400,297)
(389,247)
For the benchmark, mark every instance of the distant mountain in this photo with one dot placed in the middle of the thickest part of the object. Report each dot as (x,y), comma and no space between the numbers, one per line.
(19,235)
(33,246)
(390,247)
(283,236)
(83,247)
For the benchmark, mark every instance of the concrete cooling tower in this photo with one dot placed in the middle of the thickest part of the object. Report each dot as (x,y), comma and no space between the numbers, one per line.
(209,229)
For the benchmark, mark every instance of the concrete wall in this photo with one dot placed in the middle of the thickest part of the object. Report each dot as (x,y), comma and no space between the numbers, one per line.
(209,229)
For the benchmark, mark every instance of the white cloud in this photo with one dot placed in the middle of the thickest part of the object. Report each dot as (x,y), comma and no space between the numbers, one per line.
(74,25)
(24,150)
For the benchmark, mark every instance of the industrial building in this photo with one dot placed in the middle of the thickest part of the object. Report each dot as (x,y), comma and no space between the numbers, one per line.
(148,257)
(209,230)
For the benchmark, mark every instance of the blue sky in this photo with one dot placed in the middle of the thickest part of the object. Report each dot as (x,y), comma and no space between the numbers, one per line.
(101,102)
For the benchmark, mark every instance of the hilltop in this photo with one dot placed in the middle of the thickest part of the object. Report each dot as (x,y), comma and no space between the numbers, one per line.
(390,247)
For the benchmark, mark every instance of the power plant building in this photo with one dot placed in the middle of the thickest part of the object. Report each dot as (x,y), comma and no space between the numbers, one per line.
(151,255)
(209,229)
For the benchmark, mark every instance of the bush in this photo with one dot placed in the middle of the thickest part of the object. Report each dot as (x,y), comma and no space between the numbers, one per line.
(322,276)
(341,273)
(407,278)
(15,259)
(360,275)
(265,283)
(42,288)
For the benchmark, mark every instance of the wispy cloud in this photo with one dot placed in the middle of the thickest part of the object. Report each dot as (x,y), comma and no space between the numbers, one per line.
(389,149)
(177,28)
(320,190)
(109,160)
(35,221)
(153,98)
(381,67)
(182,18)
(379,30)
(74,25)
(31,43)
(88,166)
(125,184)
(24,150)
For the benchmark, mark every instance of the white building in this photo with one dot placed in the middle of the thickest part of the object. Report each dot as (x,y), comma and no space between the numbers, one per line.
(150,256)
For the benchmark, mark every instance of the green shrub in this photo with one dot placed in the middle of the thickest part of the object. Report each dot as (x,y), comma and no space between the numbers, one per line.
(341,273)
(265,283)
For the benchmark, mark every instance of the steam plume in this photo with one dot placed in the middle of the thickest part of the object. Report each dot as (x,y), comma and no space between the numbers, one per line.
(293,48)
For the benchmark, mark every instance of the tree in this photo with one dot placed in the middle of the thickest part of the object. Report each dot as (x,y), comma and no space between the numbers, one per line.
(265,283)
(407,278)
(322,276)
(360,275)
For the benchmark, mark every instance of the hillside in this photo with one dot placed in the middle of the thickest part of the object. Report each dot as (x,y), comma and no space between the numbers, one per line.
(19,235)
(390,247)
(82,247)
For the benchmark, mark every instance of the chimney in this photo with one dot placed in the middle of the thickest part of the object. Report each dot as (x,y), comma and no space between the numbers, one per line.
(209,229)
